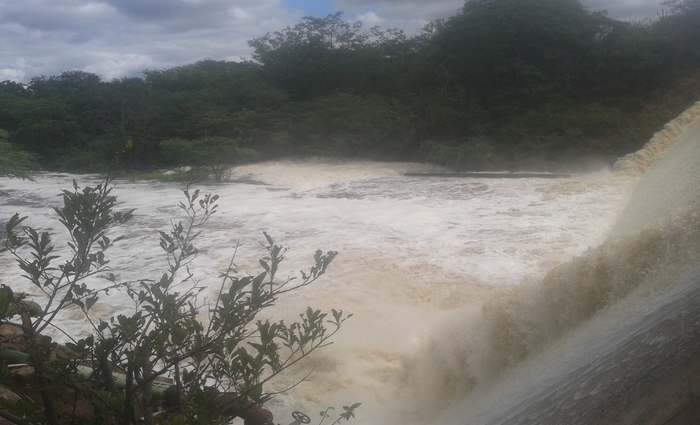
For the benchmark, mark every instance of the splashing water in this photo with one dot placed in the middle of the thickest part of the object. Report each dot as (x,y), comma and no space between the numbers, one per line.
(618,291)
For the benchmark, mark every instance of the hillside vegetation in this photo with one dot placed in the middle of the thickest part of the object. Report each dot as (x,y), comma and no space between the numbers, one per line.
(504,84)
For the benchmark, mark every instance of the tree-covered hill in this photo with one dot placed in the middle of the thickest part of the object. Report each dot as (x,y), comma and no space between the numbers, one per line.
(502,84)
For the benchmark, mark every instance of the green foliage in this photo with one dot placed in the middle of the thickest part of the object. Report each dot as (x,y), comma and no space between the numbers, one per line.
(46,125)
(319,56)
(92,156)
(682,27)
(14,162)
(218,154)
(509,50)
(219,353)
(470,154)
(565,125)
(209,98)
(345,125)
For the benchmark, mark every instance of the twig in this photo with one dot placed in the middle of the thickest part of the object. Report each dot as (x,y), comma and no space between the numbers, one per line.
(14,419)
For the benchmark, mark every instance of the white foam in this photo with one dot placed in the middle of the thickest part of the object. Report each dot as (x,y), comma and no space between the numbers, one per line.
(412,251)
(639,162)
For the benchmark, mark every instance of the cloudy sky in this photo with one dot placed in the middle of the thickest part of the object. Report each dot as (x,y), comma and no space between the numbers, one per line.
(116,38)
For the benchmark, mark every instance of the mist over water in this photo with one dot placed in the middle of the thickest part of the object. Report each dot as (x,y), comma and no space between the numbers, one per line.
(464,291)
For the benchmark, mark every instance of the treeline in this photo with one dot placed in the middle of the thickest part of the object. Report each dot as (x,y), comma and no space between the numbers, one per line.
(502,84)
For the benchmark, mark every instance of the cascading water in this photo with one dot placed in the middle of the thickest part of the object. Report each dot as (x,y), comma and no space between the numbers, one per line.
(468,306)
(608,337)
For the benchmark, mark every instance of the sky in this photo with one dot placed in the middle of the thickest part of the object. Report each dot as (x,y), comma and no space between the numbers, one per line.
(119,38)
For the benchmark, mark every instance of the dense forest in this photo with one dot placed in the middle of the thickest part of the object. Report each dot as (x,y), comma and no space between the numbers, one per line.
(504,84)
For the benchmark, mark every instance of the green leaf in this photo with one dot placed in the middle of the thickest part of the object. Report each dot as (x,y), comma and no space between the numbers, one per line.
(90,302)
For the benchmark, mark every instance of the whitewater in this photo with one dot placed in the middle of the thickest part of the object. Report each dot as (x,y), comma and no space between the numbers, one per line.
(473,300)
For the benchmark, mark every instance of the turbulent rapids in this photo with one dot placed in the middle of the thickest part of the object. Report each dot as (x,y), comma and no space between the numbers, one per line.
(475,301)
(612,336)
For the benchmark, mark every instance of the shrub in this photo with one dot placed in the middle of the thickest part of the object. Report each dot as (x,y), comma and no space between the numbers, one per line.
(15,162)
(470,154)
(219,154)
(218,354)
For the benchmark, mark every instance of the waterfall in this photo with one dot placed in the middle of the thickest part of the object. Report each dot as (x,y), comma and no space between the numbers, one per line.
(581,345)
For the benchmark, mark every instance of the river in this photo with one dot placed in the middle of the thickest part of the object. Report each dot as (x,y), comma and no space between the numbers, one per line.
(469,296)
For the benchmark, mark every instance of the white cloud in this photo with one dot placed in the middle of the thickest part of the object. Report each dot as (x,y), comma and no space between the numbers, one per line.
(123,37)
(370,19)
(11,74)
(110,66)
